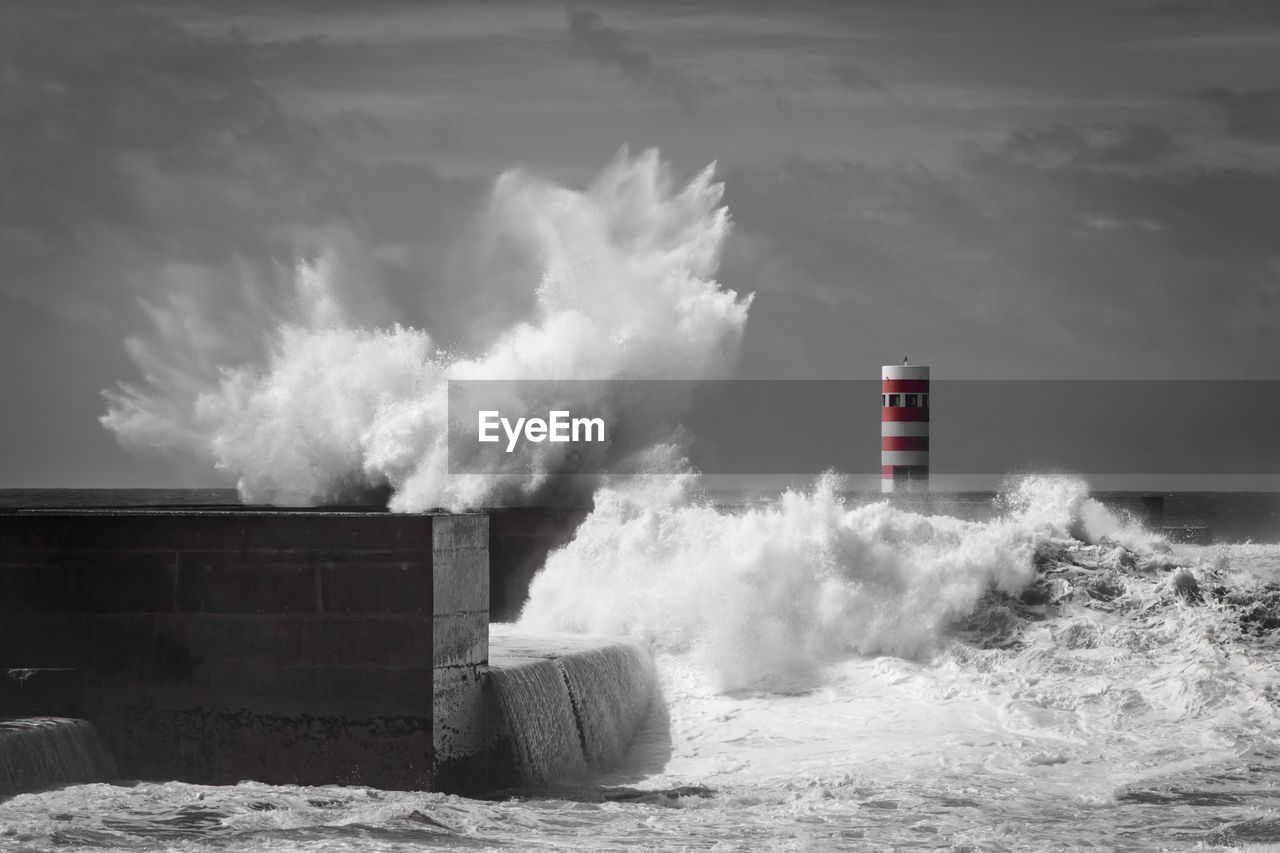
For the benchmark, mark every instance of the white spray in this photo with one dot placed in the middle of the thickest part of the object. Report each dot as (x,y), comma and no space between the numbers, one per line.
(624,289)
(770,594)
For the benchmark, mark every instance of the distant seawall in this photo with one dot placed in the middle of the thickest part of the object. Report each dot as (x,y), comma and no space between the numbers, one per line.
(520,538)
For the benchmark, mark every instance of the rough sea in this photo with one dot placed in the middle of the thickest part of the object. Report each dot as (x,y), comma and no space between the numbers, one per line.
(839,673)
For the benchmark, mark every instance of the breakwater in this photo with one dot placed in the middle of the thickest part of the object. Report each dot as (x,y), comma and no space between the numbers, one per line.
(40,752)
(290,647)
(568,706)
(520,538)
(303,647)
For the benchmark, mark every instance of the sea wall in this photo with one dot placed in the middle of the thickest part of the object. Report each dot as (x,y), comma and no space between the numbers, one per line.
(520,538)
(42,752)
(301,647)
(287,647)
(565,707)
(463,740)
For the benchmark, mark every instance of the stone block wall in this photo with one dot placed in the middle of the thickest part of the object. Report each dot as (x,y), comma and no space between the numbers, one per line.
(520,538)
(287,647)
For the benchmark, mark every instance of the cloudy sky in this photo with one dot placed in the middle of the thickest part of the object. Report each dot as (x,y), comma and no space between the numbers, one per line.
(1001,188)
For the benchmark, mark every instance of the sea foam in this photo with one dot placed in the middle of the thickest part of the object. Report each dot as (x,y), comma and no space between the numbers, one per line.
(770,594)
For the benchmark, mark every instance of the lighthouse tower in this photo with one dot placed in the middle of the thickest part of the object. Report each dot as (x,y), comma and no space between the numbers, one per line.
(904,428)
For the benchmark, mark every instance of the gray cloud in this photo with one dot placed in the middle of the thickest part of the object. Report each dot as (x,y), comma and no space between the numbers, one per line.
(140,164)
(1253,115)
(145,168)
(1060,144)
(1252,9)
(608,46)
(134,141)
(856,79)
(142,161)
(1011,265)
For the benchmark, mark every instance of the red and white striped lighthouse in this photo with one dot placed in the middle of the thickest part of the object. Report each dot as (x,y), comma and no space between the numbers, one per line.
(904,428)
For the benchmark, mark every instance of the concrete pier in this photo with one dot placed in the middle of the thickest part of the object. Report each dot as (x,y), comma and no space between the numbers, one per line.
(520,538)
(43,752)
(289,647)
(304,647)
(562,706)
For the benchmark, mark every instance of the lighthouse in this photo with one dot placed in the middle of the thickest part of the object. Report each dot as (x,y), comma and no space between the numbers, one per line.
(904,428)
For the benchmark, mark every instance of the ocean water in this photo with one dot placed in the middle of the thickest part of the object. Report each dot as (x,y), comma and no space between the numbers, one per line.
(1043,674)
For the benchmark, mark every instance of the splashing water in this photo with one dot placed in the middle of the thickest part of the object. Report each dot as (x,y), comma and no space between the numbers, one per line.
(39,752)
(1056,665)
(624,278)
(1060,691)
(768,595)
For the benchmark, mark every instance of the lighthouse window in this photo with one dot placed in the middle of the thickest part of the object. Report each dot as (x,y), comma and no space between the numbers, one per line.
(911,401)
(924,401)
(895,399)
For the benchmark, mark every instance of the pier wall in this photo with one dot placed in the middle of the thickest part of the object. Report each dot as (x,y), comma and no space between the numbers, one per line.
(567,706)
(44,752)
(287,647)
(520,538)
(306,647)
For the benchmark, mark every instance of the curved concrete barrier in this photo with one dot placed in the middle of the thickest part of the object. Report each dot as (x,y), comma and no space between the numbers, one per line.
(565,705)
(611,689)
(41,752)
(538,722)
(299,647)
